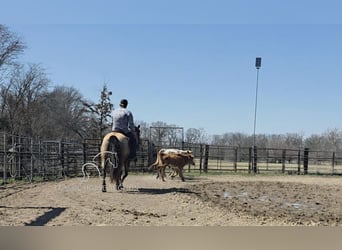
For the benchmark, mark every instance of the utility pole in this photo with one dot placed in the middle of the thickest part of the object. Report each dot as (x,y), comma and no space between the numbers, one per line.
(258,66)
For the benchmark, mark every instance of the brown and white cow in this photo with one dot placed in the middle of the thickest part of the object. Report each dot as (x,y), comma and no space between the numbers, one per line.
(173,158)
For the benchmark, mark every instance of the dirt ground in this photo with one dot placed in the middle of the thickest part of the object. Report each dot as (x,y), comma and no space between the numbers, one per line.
(230,200)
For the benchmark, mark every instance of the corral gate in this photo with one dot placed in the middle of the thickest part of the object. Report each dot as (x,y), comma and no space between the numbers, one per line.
(164,137)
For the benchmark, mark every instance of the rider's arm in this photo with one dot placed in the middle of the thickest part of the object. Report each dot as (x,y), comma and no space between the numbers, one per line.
(131,126)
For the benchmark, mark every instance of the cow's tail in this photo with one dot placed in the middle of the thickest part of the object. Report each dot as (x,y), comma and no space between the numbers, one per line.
(154,165)
(158,161)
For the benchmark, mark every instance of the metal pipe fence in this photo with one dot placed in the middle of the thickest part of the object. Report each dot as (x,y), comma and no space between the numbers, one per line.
(290,161)
(23,158)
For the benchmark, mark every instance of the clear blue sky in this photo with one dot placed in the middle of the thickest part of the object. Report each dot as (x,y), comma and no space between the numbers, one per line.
(191,63)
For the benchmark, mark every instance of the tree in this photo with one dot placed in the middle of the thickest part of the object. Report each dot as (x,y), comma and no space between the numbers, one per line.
(293,140)
(158,132)
(194,135)
(10,47)
(101,110)
(65,115)
(144,129)
(19,98)
(314,142)
(163,134)
(333,140)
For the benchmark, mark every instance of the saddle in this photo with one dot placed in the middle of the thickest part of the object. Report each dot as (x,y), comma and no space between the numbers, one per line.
(120,132)
(131,142)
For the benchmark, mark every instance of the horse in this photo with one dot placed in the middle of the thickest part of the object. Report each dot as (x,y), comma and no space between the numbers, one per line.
(115,154)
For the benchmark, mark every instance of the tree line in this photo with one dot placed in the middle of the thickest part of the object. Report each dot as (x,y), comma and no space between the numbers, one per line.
(30,106)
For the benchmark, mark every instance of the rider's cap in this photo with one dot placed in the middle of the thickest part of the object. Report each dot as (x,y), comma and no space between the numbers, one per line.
(123,103)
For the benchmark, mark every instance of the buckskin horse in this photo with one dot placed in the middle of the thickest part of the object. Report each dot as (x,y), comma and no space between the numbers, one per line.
(115,155)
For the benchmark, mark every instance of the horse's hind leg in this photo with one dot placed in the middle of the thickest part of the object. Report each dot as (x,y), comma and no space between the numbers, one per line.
(120,183)
(124,173)
(104,189)
(117,178)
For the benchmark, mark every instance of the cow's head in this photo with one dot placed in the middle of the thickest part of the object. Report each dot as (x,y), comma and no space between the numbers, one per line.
(191,159)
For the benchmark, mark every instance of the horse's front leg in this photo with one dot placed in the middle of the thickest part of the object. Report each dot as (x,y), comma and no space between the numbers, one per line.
(104,189)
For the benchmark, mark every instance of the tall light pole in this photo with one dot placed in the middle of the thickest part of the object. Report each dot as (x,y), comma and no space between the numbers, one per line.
(258,66)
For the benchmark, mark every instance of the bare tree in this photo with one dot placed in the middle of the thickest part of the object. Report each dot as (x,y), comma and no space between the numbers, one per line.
(10,47)
(333,140)
(158,132)
(314,142)
(66,116)
(20,96)
(293,140)
(194,135)
(144,129)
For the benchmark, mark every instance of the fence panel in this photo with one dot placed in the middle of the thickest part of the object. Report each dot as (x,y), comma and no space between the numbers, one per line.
(29,159)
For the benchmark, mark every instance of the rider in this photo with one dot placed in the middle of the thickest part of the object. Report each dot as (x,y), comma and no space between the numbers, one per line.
(123,122)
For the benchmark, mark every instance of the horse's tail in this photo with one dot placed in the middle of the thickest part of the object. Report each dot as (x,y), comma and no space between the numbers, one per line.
(114,147)
(103,152)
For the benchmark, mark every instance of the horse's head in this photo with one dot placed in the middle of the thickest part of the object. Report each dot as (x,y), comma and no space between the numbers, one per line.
(137,135)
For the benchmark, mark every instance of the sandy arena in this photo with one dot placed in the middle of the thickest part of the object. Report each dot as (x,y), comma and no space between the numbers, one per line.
(230,200)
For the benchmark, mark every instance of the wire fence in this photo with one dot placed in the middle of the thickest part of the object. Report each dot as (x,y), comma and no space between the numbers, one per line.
(24,158)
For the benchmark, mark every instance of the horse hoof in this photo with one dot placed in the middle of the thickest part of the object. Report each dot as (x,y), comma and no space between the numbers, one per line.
(104,190)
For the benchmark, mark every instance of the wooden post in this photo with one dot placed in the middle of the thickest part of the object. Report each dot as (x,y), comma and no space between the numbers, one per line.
(61,154)
(206,158)
(32,161)
(283,161)
(5,159)
(255,160)
(250,161)
(201,158)
(84,152)
(235,159)
(306,160)
(333,162)
(298,171)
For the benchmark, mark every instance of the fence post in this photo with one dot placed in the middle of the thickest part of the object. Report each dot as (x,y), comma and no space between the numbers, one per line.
(5,159)
(201,158)
(250,161)
(61,153)
(32,161)
(84,152)
(306,160)
(255,160)
(298,171)
(283,161)
(333,162)
(206,157)
(235,159)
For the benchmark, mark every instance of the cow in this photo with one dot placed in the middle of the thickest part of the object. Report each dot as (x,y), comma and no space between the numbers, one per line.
(173,158)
